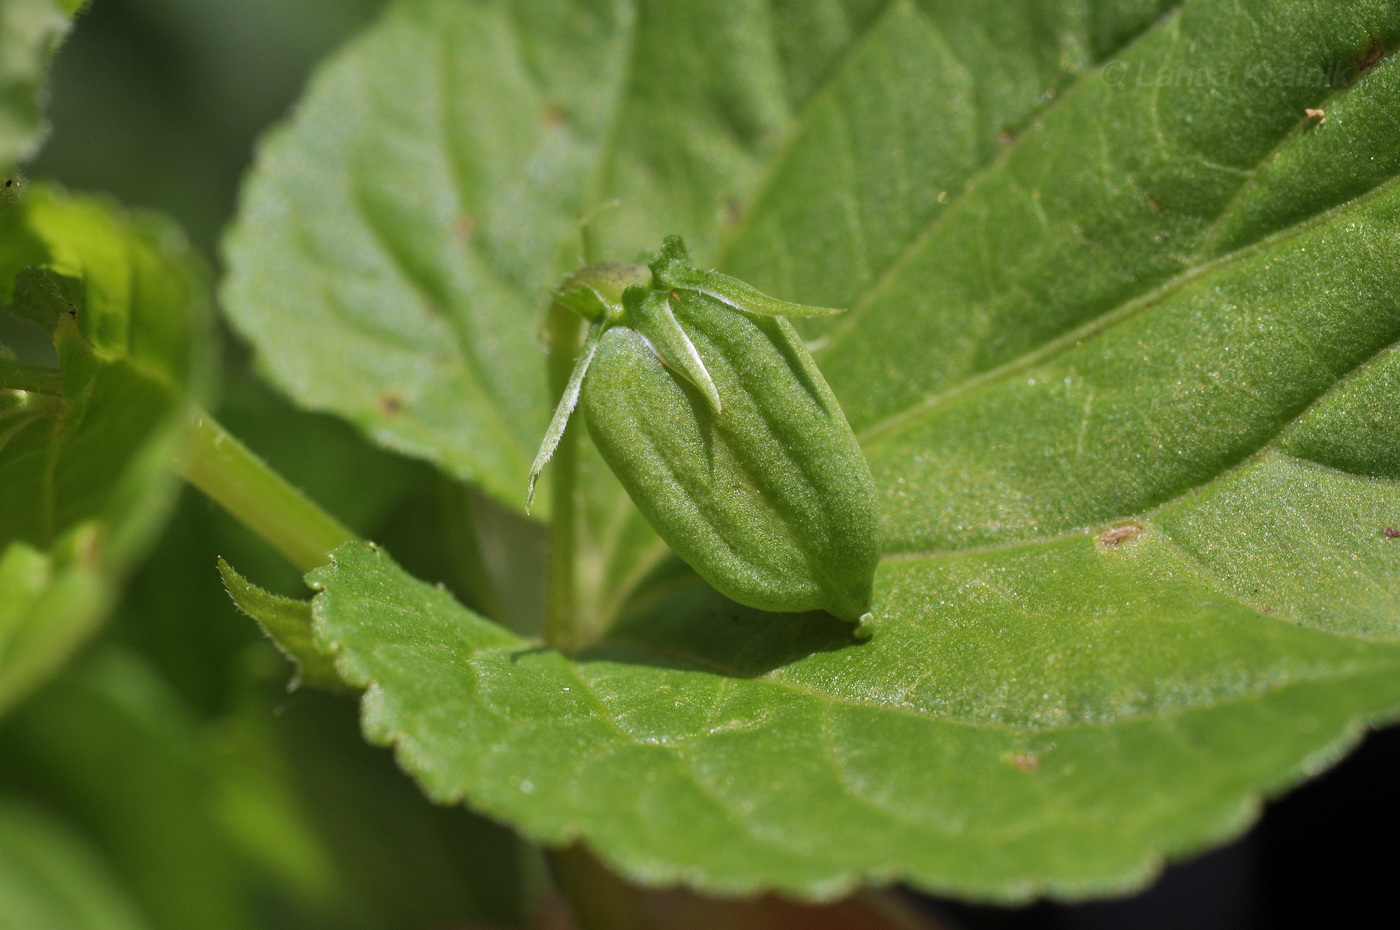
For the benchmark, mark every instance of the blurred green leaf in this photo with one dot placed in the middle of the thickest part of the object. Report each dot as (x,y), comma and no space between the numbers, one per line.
(1121,350)
(434,350)
(221,822)
(30,30)
(85,480)
(157,102)
(398,862)
(50,879)
(110,745)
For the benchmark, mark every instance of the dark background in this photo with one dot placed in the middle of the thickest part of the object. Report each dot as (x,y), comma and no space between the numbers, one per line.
(160,102)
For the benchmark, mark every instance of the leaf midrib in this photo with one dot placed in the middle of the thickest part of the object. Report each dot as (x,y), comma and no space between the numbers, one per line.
(1268,448)
(894,422)
(879,279)
(891,426)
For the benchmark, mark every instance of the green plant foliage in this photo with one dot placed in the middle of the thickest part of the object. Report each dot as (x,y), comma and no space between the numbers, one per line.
(204,819)
(30,30)
(326,458)
(1120,352)
(287,622)
(108,744)
(84,465)
(756,481)
(400,861)
(50,879)
(771,500)
(1067,753)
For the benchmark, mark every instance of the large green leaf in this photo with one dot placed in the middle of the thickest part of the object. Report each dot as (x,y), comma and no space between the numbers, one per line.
(1120,352)
(1066,719)
(85,478)
(30,30)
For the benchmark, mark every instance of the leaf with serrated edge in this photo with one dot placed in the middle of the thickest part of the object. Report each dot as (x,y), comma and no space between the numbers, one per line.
(1066,752)
(1120,353)
(287,622)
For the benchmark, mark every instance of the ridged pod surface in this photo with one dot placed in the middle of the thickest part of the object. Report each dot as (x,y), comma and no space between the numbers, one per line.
(769,499)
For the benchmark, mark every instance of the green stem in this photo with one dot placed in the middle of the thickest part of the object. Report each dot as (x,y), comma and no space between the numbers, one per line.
(560,629)
(600,899)
(17,376)
(264,501)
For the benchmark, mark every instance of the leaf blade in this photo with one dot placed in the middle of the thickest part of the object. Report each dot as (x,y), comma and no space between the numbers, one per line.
(1109,620)
(546,743)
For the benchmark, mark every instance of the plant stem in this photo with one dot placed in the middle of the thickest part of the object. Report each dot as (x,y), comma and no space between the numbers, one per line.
(600,899)
(264,501)
(562,328)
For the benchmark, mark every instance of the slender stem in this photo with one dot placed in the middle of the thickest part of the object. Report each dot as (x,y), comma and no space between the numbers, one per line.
(17,376)
(600,899)
(562,329)
(265,502)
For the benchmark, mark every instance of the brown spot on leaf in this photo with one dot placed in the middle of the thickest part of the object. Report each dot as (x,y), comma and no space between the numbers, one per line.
(1153,205)
(464,228)
(1374,55)
(1116,536)
(733,210)
(1006,137)
(1025,762)
(1391,532)
(555,116)
(390,404)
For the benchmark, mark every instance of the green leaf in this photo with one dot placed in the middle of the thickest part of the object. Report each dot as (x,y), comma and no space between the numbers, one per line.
(30,30)
(398,283)
(287,622)
(1121,353)
(50,878)
(1065,753)
(84,474)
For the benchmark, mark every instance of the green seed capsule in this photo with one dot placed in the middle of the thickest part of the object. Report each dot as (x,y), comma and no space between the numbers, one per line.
(706,404)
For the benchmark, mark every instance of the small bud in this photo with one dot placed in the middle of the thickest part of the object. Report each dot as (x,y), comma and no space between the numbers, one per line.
(707,406)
